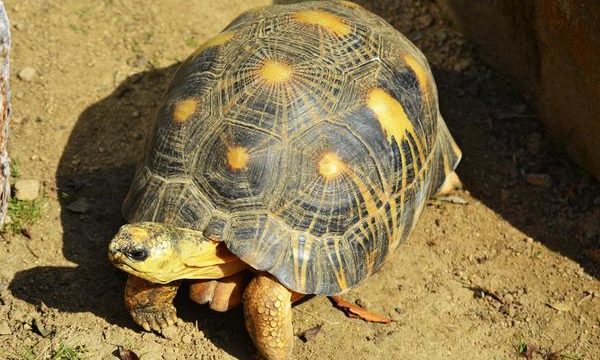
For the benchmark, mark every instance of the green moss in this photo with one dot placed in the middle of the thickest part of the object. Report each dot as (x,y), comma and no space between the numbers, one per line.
(23,214)
(65,352)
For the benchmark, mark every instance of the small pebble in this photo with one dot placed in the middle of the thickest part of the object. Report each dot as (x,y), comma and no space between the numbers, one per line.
(187,339)
(27,189)
(40,329)
(136,114)
(27,74)
(541,180)
(4,328)
(80,206)
(424,21)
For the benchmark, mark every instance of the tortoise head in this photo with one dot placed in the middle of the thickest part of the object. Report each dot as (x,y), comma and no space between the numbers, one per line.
(161,253)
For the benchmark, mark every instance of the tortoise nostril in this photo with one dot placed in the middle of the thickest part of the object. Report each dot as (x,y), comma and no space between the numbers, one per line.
(138,254)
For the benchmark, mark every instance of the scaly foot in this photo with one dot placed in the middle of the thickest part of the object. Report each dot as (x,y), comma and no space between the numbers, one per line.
(151,305)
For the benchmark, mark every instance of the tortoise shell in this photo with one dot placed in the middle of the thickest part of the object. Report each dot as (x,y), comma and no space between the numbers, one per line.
(306,137)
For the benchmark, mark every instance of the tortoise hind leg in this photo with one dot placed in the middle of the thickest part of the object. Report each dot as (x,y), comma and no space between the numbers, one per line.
(151,305)
(451,183)
(268,315)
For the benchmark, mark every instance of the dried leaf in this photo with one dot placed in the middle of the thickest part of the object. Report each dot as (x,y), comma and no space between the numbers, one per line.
(560,306)
(530,351)
(355,311)
(311,333)
(126,354)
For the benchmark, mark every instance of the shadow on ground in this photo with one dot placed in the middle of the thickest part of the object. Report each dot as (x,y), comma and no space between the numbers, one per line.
(502,141)
(508,164)
(93,176)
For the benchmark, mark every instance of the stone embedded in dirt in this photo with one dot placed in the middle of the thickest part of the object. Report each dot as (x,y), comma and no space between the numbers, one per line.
(423,21)
(136,114)
(40,329)
(462,65)
(27,189)
(79,206)
(27,74)
(138,61)
(74,184)
(310,334)
(541,180)
(4,328)
(187,339)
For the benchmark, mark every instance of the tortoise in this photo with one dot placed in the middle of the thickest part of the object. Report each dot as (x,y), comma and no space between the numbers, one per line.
(292,153)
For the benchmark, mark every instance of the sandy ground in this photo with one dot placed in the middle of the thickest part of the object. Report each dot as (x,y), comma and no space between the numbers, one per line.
(473,281)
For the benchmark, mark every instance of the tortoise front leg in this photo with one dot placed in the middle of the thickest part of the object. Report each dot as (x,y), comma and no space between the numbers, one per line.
(150,304)
(268,314)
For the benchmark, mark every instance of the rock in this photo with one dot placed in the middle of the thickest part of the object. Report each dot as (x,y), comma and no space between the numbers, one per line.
(80,206)
(462,65)
(423,21)
(187,339)
(27,74)
(74,184)
(4,328)
(136,114)
(40,329)
(27,189)
(542,180)
(138,61)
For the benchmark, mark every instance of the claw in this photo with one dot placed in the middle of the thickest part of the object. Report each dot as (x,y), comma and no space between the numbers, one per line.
(155,318)
(145,326)
(169,320)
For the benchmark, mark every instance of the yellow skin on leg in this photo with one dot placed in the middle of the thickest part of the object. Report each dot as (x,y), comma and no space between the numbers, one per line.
(451,183)
(268,315)
(221,295)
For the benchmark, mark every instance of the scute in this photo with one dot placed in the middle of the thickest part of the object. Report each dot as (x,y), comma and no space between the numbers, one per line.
(308,145)
(237,189)
(321,205)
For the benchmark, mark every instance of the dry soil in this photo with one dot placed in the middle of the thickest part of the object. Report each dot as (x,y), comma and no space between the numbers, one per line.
(515,265)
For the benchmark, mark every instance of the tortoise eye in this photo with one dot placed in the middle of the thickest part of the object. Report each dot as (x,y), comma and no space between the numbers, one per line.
(138,254)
